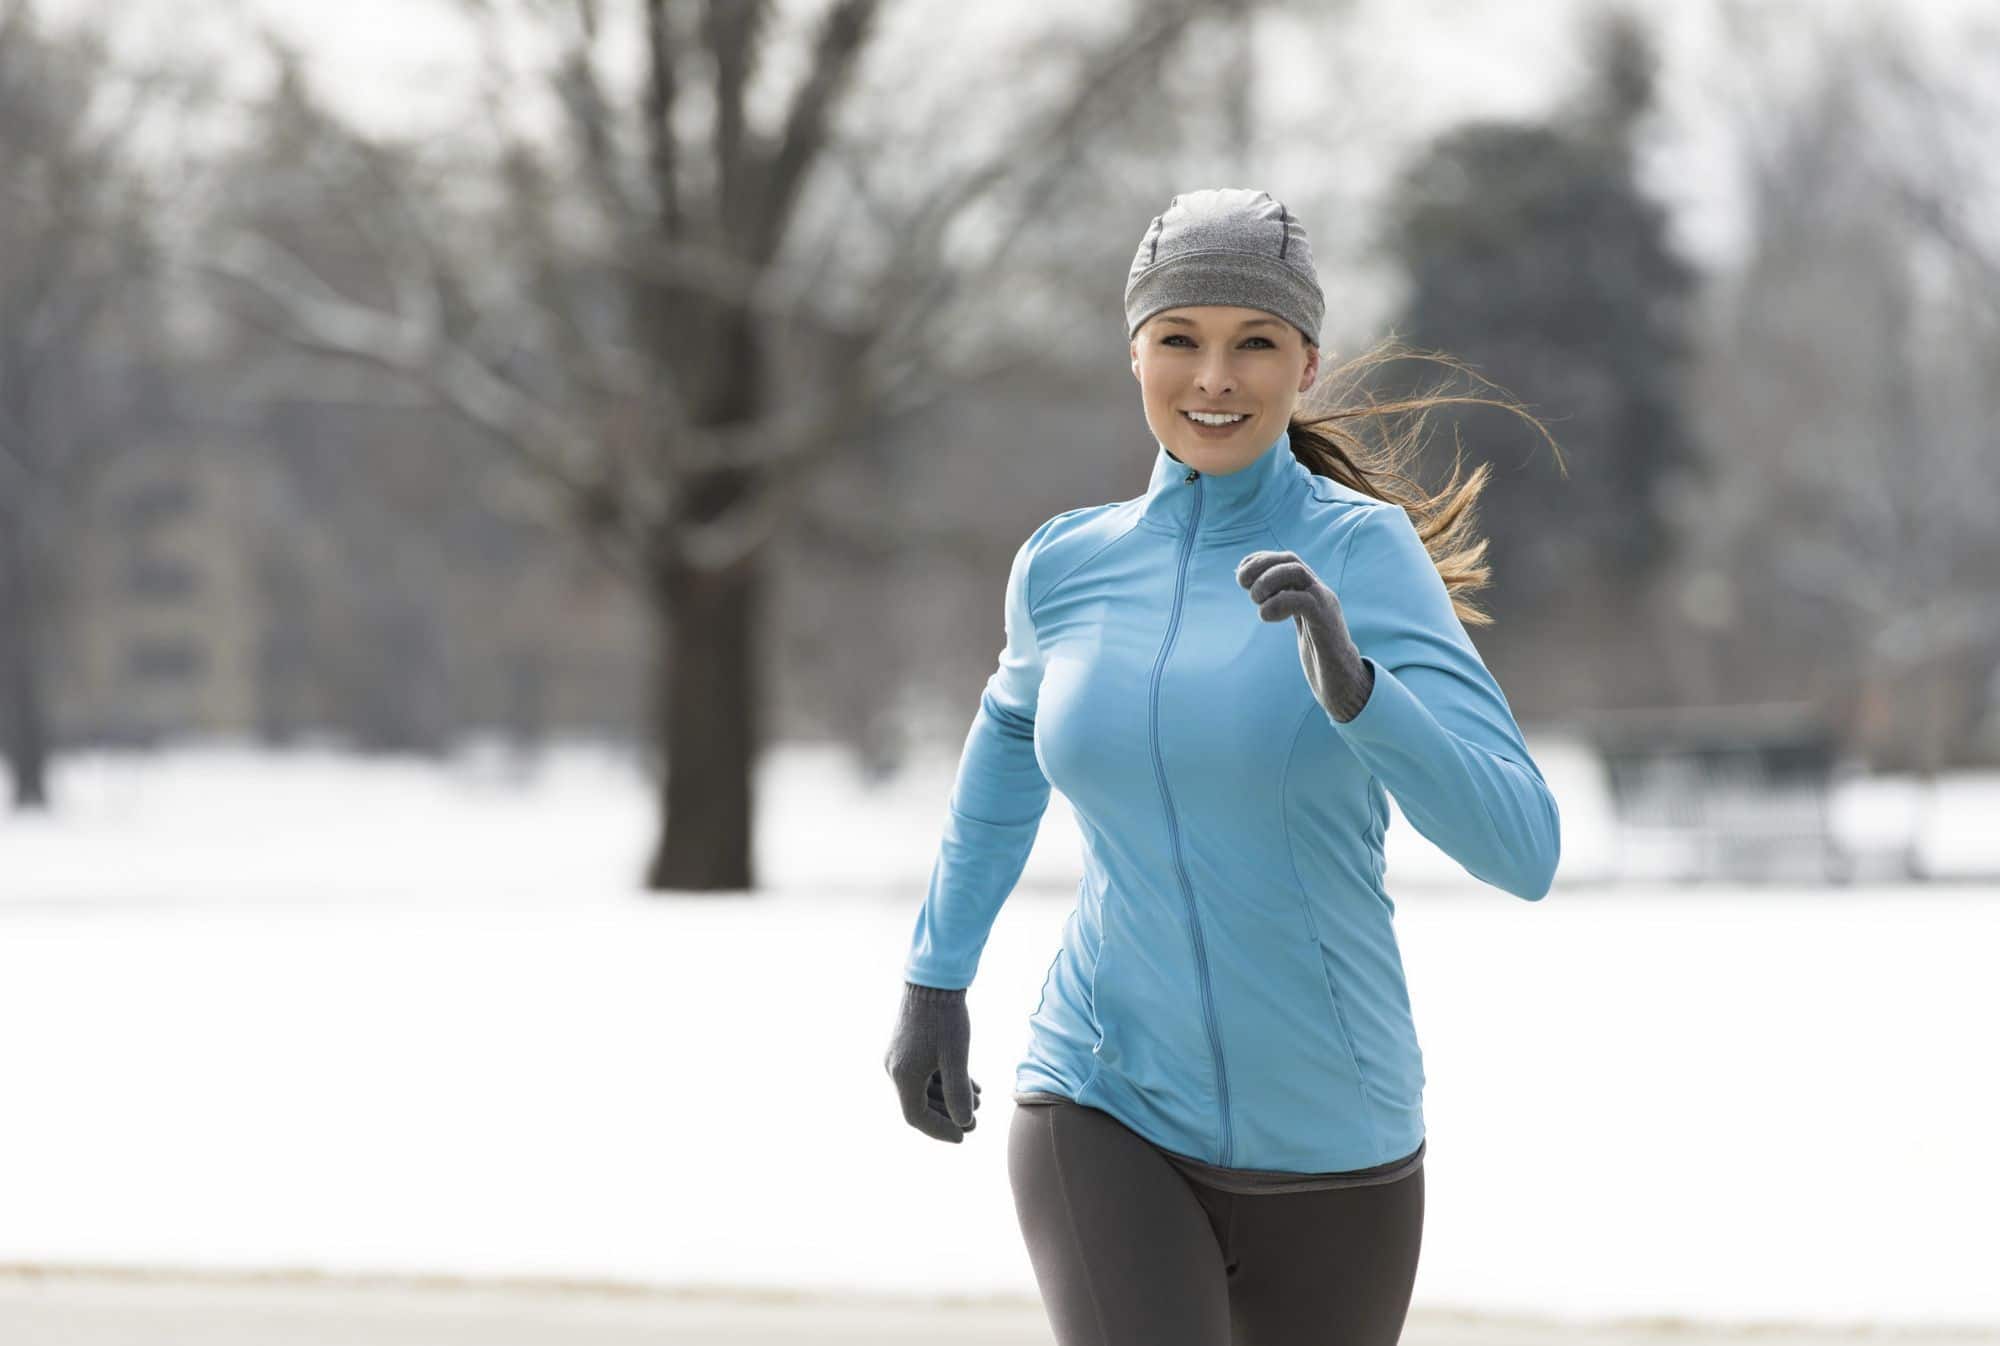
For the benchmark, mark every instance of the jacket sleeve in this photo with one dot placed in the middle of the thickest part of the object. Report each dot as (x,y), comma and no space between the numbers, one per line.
(996,803)
(1436,730)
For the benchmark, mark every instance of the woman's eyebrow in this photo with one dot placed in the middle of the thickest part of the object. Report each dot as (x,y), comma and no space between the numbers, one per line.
(1247,322)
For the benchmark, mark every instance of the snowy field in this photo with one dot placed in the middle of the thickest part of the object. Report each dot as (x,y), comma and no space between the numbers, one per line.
(306,1011)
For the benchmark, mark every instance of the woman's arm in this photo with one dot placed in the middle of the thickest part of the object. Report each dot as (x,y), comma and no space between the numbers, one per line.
(1399,679)
(996,803)
(1435,727)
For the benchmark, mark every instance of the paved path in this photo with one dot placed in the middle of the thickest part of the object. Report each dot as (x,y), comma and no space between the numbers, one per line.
(86,1308)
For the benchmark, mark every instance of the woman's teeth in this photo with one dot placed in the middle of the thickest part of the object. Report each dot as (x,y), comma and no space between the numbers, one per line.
(1205,418)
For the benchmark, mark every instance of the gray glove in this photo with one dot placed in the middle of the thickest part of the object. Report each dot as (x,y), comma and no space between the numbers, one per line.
(1284,586)
(927,1058)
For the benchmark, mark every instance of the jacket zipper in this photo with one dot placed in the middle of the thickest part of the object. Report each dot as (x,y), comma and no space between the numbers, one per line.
(1173,826)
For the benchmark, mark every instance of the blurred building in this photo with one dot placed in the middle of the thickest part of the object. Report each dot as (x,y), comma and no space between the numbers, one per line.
(196,603)
(162,627)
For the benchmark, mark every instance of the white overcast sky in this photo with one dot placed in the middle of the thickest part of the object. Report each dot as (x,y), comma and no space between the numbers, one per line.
(407,65)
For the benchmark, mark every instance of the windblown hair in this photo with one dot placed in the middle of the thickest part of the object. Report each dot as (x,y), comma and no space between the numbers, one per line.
(1326,437)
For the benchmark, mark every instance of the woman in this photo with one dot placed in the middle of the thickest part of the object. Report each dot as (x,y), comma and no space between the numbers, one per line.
(1219,1133)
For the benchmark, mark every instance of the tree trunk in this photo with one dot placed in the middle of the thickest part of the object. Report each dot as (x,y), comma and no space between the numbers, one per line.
(25,726)
(705,724)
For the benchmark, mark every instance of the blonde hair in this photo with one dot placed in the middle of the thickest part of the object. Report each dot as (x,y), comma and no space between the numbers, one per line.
(1327,439)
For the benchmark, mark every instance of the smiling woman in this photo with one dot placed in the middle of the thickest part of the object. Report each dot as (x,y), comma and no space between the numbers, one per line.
(1219,1131)
(1219,381)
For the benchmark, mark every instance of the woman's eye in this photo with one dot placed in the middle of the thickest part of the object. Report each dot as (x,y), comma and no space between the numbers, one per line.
(1180,336)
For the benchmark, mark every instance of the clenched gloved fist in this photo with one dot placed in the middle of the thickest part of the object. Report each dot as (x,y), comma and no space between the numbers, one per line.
(927,1060)
(1284,586)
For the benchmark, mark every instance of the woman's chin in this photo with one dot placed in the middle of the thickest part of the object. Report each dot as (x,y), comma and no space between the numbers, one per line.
(1214,456)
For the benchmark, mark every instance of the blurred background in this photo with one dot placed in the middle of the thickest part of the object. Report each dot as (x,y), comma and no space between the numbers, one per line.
(504,507)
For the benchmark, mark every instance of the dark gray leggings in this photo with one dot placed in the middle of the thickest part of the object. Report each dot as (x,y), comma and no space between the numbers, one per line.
(1129,1251)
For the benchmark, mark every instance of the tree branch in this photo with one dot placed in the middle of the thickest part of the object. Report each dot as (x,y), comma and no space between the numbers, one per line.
(663,153)
(322,321)
(842,33)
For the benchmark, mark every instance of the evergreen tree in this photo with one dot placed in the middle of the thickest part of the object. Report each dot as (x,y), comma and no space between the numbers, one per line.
(1533,256)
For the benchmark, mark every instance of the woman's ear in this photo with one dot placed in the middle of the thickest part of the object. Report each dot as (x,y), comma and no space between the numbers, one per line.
(1312,367)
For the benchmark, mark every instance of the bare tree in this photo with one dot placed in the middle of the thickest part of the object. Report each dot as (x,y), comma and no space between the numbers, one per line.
(1852,394)
(681,322)
(75,258)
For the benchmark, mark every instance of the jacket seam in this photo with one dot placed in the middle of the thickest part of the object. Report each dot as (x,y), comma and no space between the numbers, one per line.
(958,812)
(1298,731)
(1507,851)
(1312,926)
(1096,972)
(1048,975)
(1347,547)
(1072,572)
(1095,965)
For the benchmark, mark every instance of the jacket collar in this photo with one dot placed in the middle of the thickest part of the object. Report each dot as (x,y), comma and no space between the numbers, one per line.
(1235,499)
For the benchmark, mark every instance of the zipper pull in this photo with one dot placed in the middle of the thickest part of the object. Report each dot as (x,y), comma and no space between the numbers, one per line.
(1192,474)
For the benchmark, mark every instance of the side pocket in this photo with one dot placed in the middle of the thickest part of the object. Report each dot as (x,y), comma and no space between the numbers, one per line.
(1047,975)
(1339,1017)
(1104,946)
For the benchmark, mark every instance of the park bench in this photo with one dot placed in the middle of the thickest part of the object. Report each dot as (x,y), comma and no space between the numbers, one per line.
(1721,792)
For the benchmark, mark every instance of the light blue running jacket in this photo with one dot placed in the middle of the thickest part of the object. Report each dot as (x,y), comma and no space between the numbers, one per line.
(1229,983)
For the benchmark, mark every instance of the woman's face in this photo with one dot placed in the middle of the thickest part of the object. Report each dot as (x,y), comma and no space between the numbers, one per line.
(1217,357)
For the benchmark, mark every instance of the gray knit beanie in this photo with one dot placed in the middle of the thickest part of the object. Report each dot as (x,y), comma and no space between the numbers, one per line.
(1226,245)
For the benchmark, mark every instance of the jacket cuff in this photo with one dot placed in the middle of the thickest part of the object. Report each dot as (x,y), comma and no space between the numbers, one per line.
(1388,711)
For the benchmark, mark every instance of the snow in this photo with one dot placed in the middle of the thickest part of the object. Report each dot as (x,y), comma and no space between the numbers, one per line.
(305,1010)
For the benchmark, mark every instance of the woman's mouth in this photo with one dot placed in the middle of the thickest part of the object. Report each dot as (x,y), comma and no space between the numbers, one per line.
(1215,427)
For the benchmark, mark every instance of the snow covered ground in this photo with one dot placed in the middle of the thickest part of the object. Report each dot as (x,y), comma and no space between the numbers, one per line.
(306,1011)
